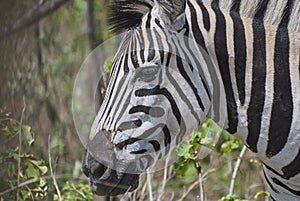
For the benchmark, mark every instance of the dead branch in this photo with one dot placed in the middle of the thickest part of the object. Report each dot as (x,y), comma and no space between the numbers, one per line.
(33,16)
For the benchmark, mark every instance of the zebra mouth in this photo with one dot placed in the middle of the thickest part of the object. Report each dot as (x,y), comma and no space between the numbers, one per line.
(127,183)
(106,181)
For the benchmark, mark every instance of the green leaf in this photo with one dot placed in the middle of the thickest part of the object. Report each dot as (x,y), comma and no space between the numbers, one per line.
(181,167)
(14,126)
(40,165)
(29,135)
(30,171)
(108,64)
(230,145)
(43,169)
(260,193)
(183,149)
(231,198)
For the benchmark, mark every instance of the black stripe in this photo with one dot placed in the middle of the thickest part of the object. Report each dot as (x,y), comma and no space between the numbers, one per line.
(161,91)
(134,59)
(189,53)
(269,183)
(282,108)
(150,131)
(130,125)
(142,54)
(205,16)
(158,23)
(126,142)
(260,12)
(167,138)
(205,87)
(114,98)
(293,168)
(155,145)
(152,111)
(160,46)
(195,27)
(222,56)
(276,181)
(142,151)
(109,91)
(287,12)
(272,170)
(257,99)
(182,95)
(239,50)
(126,103)
(189,81)
(290,170)
(141,40)
(148,22)
(151,51)
(236,6)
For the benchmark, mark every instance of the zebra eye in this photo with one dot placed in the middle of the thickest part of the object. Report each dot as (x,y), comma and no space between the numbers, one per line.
(147,74)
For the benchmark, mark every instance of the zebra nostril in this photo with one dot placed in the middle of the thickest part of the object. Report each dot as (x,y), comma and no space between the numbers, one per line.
(98,171)
(138,122)
(91,167)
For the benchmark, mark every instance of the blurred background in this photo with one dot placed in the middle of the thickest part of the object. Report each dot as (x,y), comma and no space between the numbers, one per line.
(42,46)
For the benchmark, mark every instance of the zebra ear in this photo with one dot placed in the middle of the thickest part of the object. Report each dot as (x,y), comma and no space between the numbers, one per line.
(173,12)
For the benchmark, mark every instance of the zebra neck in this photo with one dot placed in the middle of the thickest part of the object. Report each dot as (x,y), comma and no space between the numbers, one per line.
(208,68)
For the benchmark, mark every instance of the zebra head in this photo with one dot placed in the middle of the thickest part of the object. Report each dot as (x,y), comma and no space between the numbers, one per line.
(156,95)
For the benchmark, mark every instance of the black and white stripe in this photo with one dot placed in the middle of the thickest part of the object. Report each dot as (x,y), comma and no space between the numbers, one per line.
(243,70)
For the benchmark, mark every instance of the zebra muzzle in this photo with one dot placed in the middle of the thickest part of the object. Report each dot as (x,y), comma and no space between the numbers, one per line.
(106,181)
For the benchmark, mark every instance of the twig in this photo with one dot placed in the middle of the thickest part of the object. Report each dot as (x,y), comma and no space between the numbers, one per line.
(19,186)
(79,192)
(20,146)
(235,170)
(143,191)
(189,190)
(165,177)
(149,185)
(30,181)
(201,191)
(52,173)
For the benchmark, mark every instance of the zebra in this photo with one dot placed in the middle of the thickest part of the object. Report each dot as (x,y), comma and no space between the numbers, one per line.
(239,66)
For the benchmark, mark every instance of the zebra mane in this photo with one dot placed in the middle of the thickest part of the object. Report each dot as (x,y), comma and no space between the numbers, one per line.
(275,11)
(127,14)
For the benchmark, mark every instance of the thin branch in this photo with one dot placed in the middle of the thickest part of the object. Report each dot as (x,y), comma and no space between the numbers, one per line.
(34,15)
(20,145)
(201,191)
(30,181)
(165,177)
(235,170)
(189,190)
(149,185)
(79,192)
(21,185)
(52,173)
(143,190)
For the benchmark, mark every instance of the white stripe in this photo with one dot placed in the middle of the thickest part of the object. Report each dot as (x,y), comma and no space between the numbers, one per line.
(242,131)
(269,89)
